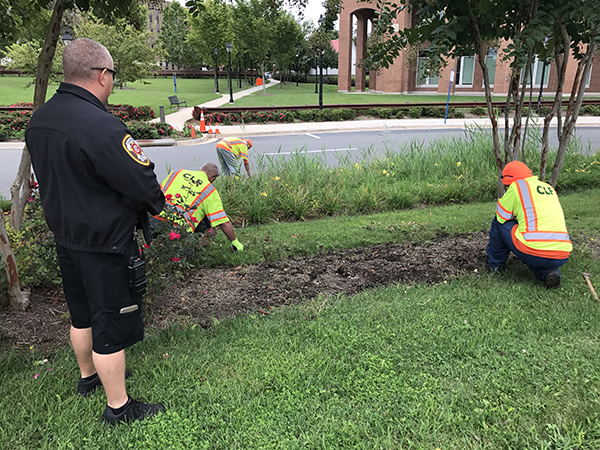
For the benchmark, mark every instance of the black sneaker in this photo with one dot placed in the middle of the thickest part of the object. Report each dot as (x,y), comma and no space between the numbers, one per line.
(134,411)
(552,279)
(86,387)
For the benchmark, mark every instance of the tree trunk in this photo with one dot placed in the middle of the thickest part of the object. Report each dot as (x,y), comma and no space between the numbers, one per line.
(561,60)
(19,190)
(573,110)
(481,52)
(17,298)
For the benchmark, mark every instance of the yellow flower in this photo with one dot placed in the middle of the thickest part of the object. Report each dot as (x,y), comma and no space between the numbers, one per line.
(276,178)
(458,164)
(264,194)
(460,176)
(435,164)
(384,171)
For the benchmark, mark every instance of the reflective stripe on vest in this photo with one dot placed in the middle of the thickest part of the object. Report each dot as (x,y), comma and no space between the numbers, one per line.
(169,180)
(203,196)
(217,216)
(546,236)
(224,146)
(503,213)
(527,203)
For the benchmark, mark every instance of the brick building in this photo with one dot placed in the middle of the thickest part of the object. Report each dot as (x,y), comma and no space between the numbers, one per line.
(405,76)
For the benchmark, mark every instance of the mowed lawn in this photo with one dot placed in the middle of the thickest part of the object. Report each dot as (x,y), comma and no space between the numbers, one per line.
(151,92)
(485,361)
(154,92)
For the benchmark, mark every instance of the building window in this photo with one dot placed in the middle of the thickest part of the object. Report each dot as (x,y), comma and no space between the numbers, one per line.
(490,62)
(538,70)
(422,78)
(465,70)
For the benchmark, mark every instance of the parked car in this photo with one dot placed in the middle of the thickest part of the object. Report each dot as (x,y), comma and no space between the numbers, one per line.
(267,75)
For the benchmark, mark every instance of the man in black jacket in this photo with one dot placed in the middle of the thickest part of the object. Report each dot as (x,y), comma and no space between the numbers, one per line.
(96,186)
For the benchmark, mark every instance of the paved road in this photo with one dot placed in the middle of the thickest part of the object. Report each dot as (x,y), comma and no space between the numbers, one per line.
(332,145)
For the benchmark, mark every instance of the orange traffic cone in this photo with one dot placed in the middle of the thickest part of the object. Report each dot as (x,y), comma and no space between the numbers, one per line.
(217,129)
(193,132)
(202,125)
(210,131)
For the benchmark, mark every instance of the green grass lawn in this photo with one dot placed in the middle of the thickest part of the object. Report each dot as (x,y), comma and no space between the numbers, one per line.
(304,94)
(196,91)
(482,362)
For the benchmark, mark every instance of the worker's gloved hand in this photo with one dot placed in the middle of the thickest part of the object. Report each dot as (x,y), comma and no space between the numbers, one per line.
(237,246)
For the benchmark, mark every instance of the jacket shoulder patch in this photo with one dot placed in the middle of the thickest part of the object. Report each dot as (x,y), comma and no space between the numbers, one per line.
(134,150)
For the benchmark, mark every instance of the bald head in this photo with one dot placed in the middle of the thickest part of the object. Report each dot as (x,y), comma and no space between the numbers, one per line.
(80,56)
(210,169)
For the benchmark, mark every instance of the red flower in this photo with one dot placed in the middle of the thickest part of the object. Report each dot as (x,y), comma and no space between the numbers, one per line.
(146,246)
(169,196)
(175,259)
(178,195)
(173,235)
(194,220)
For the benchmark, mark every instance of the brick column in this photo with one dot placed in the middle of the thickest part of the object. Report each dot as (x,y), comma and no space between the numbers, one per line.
(361,48)
(345,54)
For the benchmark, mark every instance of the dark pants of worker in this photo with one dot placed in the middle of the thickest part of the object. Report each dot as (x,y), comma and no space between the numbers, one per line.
(501,245)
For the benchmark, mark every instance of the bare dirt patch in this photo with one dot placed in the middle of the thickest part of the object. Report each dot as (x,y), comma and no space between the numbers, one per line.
(226,292)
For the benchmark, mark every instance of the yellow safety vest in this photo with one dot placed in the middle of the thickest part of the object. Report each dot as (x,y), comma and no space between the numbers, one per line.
(237,146)
(193,197)
(540,229)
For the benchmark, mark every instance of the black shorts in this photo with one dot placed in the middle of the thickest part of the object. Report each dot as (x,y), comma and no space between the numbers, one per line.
(96,287)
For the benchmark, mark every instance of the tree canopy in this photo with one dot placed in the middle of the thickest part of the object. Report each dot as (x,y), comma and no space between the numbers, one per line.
(551,29)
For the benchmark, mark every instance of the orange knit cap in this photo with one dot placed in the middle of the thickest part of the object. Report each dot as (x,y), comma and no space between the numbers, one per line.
(249,142)
(515,170)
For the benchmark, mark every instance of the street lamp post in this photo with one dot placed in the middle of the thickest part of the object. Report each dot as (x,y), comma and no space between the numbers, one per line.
(321,71)
(66,38)
(316,77)
(229,47)
(297,55)
(321,82)
(216,50)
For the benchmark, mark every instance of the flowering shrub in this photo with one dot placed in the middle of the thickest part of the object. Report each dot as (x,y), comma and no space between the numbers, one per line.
(173,249)
(144,130)
(33,245)
(141,113)
(13,124)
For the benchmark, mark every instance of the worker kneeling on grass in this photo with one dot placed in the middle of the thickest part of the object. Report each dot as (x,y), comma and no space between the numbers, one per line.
(529,222)
(229,151)
(194,202)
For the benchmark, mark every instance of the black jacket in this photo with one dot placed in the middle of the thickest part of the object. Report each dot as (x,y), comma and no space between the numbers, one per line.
(95,182)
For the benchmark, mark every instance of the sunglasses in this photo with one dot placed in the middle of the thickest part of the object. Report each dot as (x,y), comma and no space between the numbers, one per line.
(114,72)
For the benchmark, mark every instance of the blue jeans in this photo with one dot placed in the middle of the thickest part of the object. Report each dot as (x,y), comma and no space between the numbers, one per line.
(501,245)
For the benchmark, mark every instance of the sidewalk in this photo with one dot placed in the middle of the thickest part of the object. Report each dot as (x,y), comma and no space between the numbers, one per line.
(178,119)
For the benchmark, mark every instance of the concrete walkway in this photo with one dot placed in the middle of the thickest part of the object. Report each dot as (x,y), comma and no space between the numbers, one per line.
(178,119)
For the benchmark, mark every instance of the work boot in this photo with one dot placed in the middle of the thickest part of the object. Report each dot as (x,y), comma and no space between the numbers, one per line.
(132,411)
(86,386)
(552,279)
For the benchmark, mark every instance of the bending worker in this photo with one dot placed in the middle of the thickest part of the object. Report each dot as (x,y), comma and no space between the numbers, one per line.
(196,202)
(529,222)
(229,151)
